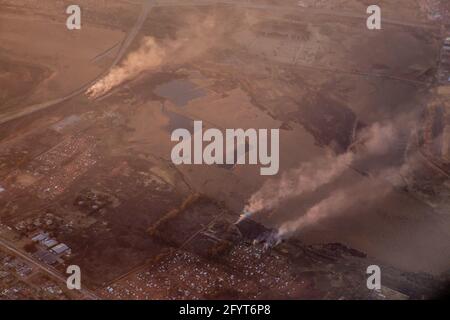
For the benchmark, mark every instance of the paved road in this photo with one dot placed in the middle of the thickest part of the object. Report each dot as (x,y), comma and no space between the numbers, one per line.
(47,269)
(294,9)
(148,4)
(146,7)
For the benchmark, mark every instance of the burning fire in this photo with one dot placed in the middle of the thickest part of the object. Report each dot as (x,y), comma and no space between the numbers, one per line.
(244,216)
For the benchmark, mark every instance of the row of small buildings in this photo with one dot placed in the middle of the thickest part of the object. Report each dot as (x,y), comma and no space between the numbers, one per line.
(50,250)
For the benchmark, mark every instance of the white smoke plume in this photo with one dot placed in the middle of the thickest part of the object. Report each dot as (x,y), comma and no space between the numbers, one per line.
(338,203)
(376,140)
(149,55)
(189,43)
(330,206)
(293,183)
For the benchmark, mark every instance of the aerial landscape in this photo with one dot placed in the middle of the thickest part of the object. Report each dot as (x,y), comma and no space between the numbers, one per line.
(320,149)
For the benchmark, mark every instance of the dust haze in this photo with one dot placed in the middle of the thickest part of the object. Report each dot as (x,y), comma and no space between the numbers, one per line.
(87,179)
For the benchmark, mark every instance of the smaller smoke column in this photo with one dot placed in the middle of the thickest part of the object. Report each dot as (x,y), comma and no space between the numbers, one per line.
(337,204)
(149,55)
(189,43)
(330,206)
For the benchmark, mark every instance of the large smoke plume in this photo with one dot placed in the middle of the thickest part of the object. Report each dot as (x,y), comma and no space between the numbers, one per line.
(374,140)
(310,176)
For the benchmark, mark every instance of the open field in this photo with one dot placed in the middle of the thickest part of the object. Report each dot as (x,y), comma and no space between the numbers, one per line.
(86,118)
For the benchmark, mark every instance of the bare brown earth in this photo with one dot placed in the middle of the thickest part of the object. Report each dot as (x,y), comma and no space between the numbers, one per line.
(96,173)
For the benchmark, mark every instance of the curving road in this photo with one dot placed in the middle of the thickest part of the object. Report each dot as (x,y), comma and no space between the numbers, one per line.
(289,9)
(147,6)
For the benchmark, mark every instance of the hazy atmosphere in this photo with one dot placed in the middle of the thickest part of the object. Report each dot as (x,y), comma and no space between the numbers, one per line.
(324,149)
